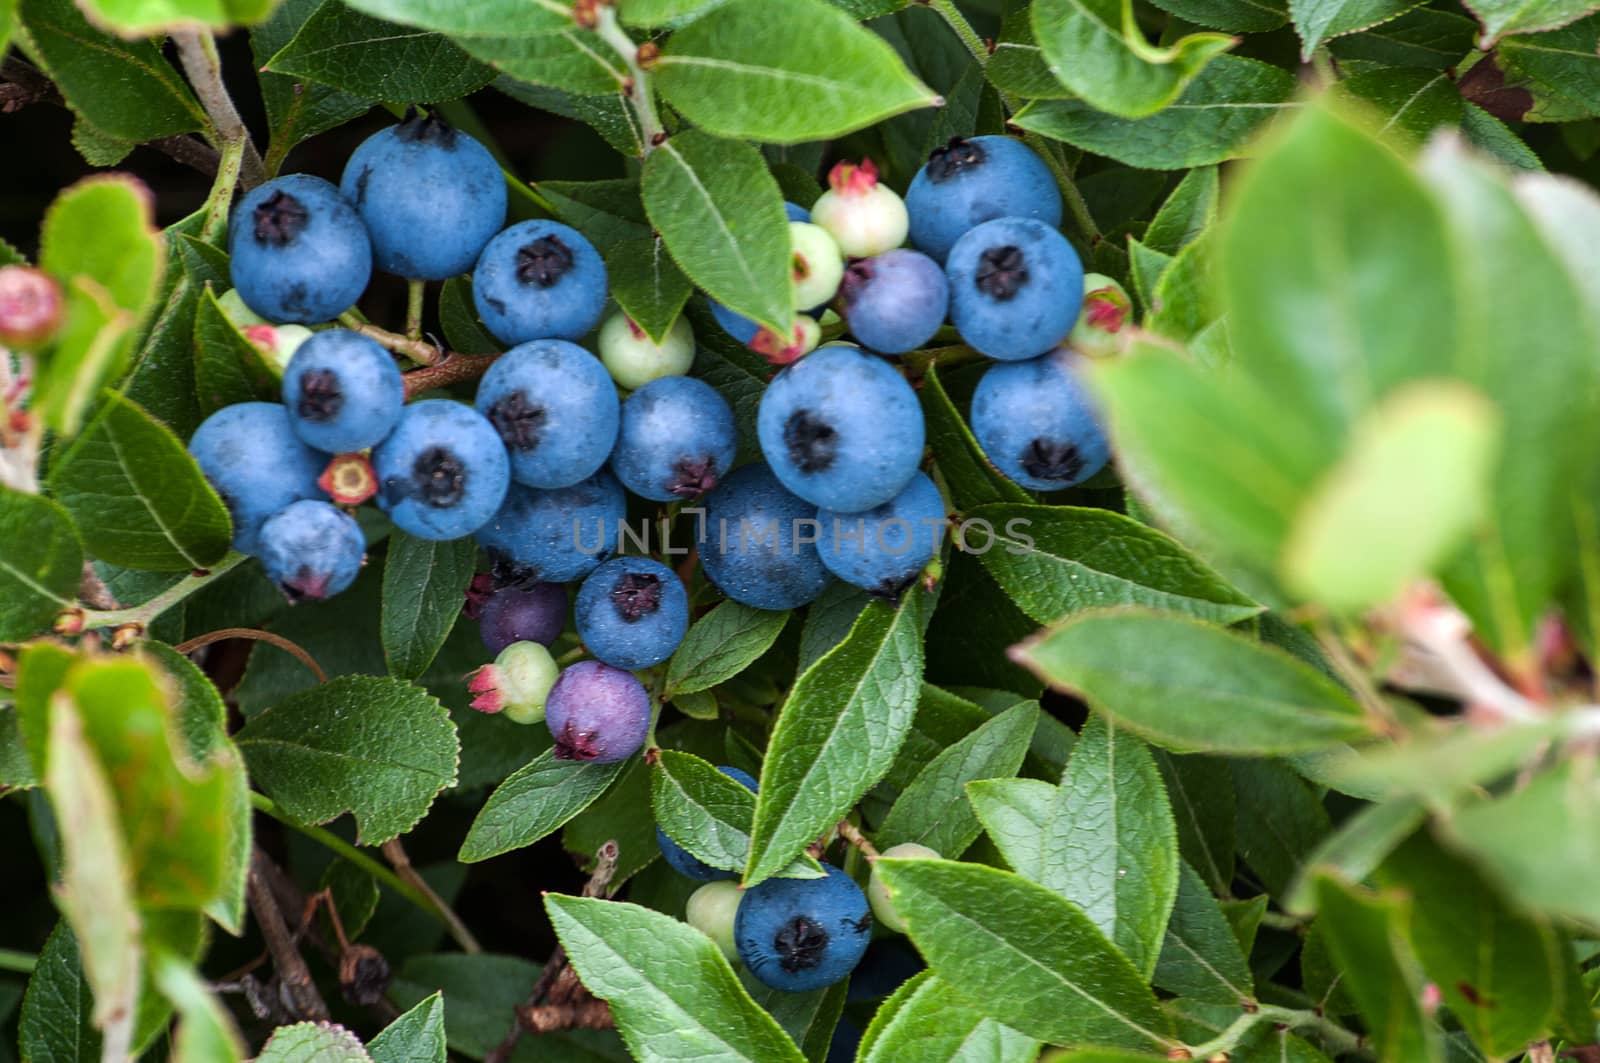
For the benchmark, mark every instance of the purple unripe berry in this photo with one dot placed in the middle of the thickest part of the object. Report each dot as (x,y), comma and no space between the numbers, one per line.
(597,714)
(523,614)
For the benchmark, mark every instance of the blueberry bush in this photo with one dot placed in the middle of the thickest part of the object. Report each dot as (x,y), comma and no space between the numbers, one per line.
(781,530)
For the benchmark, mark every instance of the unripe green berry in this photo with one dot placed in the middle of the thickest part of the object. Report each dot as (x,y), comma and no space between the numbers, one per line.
(633,359)
(878,893)
(865,218)
(817,265)
(233,308)
(277,343)
(1101,330)
(517,683)
(711,910)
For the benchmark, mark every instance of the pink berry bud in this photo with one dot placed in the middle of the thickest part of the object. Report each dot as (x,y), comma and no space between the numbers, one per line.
(853,179)
(30,307)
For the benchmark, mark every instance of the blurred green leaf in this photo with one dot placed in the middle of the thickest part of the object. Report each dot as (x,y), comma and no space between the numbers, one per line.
(206,1032)
(424,586)
(41,565)
(144,18)
(534,802)
(1355,849)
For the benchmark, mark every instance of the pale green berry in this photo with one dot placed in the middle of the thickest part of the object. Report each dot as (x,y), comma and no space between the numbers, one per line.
(1102,327)
(277,343)
(878,893)
(866,218)
(233,308)
(517,683)
(711,910)
(817,266)
(633,359)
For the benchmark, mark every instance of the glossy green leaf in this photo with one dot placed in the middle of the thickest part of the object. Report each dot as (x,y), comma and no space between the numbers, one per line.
(1209,690)
(1187,212)
(573,60)
(702,809)
(647,284)
(295,110)
(1213,119)
(416,1037)
(1231,16)
(489,18)
(933,810)
(1096,49)
(137,497)
(1412,103)
(1016,813)
(1564,61)
(1024,955)
(935,1024)
(608,212)
(1318,21)
(372,59)
(377,748)
(424,586)
(1200,957)
(321,1042)
(720,645)
(671,990)
(41,565)
(837,733)
(534,801)
(787,73)
(721,215)
(228,368)
(1502,17)
(1423,37)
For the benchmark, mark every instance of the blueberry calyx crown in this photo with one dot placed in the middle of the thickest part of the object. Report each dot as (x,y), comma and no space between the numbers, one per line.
(693,477)
(957,155)
(800,944)
(810,441)
(519,421)
(321,398)
(1002,272)
(419,128)
(543,261)
(438,477)
(857,276)
(279,219)
(636,595)
(573,744)
(1051,459)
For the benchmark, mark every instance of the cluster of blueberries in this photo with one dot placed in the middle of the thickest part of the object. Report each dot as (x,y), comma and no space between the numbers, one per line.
(539,466)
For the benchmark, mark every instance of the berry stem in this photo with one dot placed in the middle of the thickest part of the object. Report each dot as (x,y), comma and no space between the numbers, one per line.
(146,612)
(852,834)
(1076,205)
(640,95)
(395,853)
(229,163)
(451,369)
(415,292)
(418,350)
(197,51)
(1339,1039)
(20,962)
(953,17)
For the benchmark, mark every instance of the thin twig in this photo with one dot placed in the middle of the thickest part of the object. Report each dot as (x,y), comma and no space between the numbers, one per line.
(148,611)
(415,293)
(197,51)
(294,649)
(453,369)
(418,350)
(395,853)
(195,154)
(286,958)
(958,22)
(852,834)
(638,89)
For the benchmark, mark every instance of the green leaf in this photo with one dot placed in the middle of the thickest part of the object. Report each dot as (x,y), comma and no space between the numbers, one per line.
(647,285)
(785,74)
(1096,49)
(1487,133)
(934,810)
(138,498)
(415,1037)
(1366,934)
(1187,212)
(295,110)
(144,18)
(1361,537)
(489,18)
(206,1031)
(838,733)
(670,989)
(319,1042)
(462,329)
(808,1018)
(1565,62)
(1055,561)
(1231,16)
(534,801)
(702,809)
(1018,66)
(935,1024)
(41,565)
(1355,849)
(972,479)
(573,60)
(1496,967)
(1318,21)
(55,1026)
(1201,792)
(373,59)
(1502,17)
(124,89)
(423,587)
(100,240)
(1110,845)
(1200,957)
(1016,813)
(1280,821)
(1422,37)
(1214,118)
(377,748)
(720,645)
(1023,954)
(721,215)
(648,13)
(607,212)
(1209,690)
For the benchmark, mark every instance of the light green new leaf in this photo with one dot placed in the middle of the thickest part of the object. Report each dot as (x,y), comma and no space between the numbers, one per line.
(933,1023)
(1016,813)
(532,802)
(40,567)
(670,988)
(837,733)
(720,645)
(1355,849)
(1200,957)
(313,1042)
(1023,954)
(1318,21)
(651,13)
(1096,49)
(377,748)
(145,18)
(1208,690)
(423,584)
(206,1031)
(416,1037)
(138,498)
(721,215)
(1410,487)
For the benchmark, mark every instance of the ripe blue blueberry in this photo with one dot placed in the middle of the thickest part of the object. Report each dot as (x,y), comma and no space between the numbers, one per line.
(430,195)
(678,439)
(442,472)
(686,863)
(557,535)
(970,181)
(343,392)
(738,326)
(895,302)
(841,429)
(758,544)
(539,280)
(597,713)
(523,614)
(1015,288)
(256,464)
(883,549)
(632,612)
(1036,422)
(796,212)
(312,550)
(298,251)
(798,934)
(555,407)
